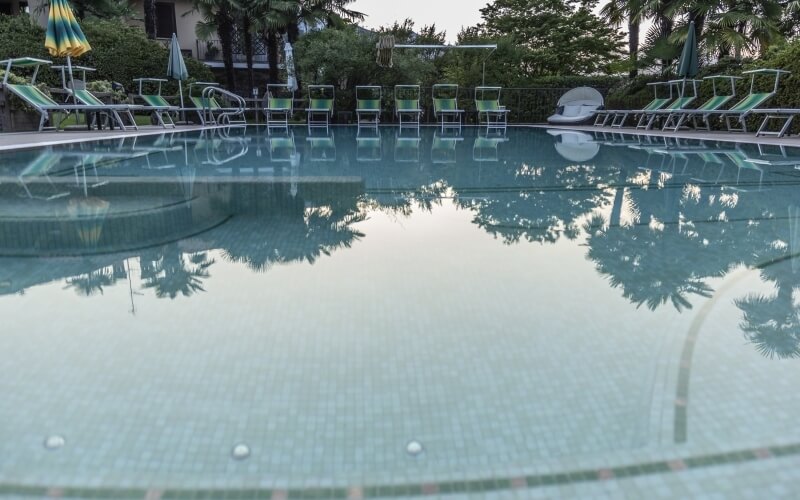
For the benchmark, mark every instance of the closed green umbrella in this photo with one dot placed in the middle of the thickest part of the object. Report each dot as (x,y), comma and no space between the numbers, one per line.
(688,67)
(64,36)
(176,68)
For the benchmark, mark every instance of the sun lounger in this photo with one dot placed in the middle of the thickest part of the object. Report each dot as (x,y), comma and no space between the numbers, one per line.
(320,106)
(747,106)
(368,105)
(406,105)
(158,107)
(649,117)
(677,118)
(620,116)
(43,104)
(445,105)
(279,107)
(490,112)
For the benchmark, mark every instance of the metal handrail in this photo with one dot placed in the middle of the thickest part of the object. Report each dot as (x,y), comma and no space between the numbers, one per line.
(225,117)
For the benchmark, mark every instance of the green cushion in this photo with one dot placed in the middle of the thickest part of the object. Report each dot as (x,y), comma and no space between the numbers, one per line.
(280,103)
(750,102)
(369,104)
(715,103)
(205,103)
(321,104)
(444,105)
(155,101)
(406,104)
(679,103)
(87,98)
(32,95)
(491,105)
(657,104)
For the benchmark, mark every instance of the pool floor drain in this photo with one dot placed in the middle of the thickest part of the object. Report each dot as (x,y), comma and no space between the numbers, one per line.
(240,452)
(414,448)
(54,442)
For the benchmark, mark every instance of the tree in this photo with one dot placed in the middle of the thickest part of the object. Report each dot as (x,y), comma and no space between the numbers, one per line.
(149,7)
(630,11)
(555,37)
(218,18)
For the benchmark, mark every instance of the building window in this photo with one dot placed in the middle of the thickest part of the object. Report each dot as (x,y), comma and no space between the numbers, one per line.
(165,20)
(5,8)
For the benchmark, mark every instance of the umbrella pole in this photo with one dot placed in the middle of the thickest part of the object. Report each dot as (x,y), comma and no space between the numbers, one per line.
(180,91)
(72,86)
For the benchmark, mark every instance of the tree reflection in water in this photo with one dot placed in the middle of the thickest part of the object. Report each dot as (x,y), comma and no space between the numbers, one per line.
(659,234)
(170,272)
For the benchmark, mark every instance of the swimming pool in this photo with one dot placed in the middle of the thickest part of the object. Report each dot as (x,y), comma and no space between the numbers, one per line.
(363,314)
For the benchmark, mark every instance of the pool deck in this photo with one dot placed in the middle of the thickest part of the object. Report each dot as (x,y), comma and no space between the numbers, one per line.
(27,140)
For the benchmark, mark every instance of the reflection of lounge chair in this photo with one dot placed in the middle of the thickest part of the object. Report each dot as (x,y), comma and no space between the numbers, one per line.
(577,106)
(368,106)
(444,148)
(445,105)
(490,112)
(406,149)
(406,105)
(282,148)
(369,146)
(677,118)
(279,106)
(486,147)
(742,162)
(159,108)
(40,168)
(320,105)
(322,148)
(578,147)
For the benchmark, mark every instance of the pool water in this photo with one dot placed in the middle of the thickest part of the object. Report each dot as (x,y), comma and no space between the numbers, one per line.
(364,314)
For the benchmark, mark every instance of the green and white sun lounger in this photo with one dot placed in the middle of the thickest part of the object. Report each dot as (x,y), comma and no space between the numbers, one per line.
(368,105)
(42,103)
(677,118)
(490,112)
(406,105)
(155,103)
(81,95)
(618,117)
(649,117)
(320,106)
(747,106)
(279,106)
(445,105)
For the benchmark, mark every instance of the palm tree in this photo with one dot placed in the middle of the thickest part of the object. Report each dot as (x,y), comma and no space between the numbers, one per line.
(630,11)
(218,18)
(149,7)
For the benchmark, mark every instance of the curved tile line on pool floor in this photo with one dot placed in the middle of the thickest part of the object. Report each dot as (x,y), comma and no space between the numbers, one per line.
(681,425)
(422,489)
(204,230)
